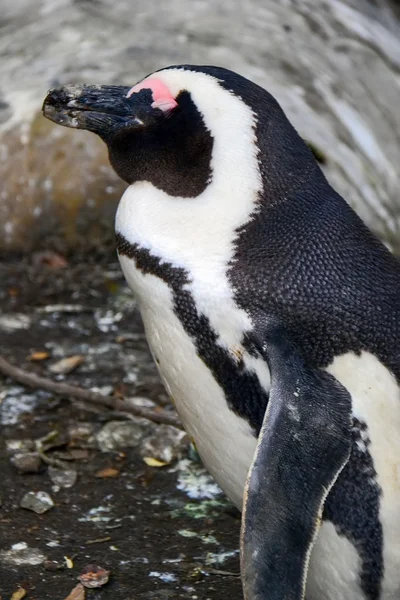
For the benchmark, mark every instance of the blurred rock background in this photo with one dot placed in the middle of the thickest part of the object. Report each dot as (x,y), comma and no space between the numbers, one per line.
(333,65)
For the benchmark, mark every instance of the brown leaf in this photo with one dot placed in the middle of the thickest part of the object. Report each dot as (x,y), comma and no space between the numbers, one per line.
(36,356)
(78,593)
(19,594)
(108,472)
(94,576)
(67,365)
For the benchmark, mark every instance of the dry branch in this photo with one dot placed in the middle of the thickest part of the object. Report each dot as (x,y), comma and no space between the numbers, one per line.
(73,391)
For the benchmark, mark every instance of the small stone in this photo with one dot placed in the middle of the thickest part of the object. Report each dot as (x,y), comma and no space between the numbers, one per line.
(38,502)
(94,576)
(53,565)
(117,435)
(165,444)
(14,322)
(81,430)
(62,478)
(26,462)
(22,446)
(20,554)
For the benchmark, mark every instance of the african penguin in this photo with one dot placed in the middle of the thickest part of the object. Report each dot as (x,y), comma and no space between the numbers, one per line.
(273,315)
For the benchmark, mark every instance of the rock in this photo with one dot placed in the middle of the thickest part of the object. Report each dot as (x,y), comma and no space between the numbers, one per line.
(333,66)
(20,554)
(38,502)
(94,576)
(14,322)
(80,432)
(28,462)
(62,478)
(19,446)
(16,403)
(53,565)
(117,435)
(165,444)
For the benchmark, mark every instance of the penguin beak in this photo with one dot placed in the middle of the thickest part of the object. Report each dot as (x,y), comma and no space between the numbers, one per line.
(102,109)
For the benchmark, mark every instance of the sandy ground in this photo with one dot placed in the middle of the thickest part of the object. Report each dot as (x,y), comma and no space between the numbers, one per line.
(163,532)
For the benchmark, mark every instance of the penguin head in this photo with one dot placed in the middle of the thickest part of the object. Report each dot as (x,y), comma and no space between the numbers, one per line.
(169,128)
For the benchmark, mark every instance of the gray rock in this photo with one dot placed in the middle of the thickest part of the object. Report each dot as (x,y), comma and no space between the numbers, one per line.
(166,443)
(62,478)
(26,462)
(333,66)
(19,446)
(117,435)
(20,554)
(38,502)
(14,322)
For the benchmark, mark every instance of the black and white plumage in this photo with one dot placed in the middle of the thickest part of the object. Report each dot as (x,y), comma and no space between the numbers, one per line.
(259,286)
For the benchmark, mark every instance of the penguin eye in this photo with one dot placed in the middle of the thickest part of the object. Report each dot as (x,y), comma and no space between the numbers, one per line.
(161,95)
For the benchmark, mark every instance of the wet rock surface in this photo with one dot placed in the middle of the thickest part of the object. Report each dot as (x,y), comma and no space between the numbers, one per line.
(163,531)
(332,65)
(39,502)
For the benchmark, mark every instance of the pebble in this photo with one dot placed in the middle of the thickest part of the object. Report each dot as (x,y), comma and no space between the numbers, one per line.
(38,502)
(19,446)
(165,444)
(53,565)
(26,462)
(94,576)
(62,478)
(21,554)
(14,322)
(117,435)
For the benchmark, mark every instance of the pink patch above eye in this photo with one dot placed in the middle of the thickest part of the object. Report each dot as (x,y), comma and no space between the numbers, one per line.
(162,97)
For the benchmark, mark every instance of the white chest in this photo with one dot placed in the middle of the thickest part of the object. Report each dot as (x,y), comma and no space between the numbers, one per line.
(224,441)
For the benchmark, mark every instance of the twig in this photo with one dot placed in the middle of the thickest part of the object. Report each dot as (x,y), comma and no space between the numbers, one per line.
(40,449)
(64,389)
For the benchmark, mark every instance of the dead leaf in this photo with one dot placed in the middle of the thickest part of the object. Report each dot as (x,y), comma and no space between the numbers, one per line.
(154,462)
(67,365)
(19,594)
(36,356)
(69,562)
(94,576)
(78,593)
(108,472)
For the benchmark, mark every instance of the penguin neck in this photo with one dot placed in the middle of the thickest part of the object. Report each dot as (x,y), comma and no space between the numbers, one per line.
(198,234)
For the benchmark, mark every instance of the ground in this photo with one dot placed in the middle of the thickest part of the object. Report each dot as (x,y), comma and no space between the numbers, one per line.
(163,532)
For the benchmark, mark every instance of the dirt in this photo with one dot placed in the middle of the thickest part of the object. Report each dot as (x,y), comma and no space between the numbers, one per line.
(144,525)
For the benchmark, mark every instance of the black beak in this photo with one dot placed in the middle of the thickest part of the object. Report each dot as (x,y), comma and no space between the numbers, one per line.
(103,109)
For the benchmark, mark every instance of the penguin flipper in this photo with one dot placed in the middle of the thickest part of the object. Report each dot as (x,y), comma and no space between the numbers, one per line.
(303,445)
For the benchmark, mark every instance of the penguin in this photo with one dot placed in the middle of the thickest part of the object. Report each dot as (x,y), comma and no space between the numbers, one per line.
(273,315)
